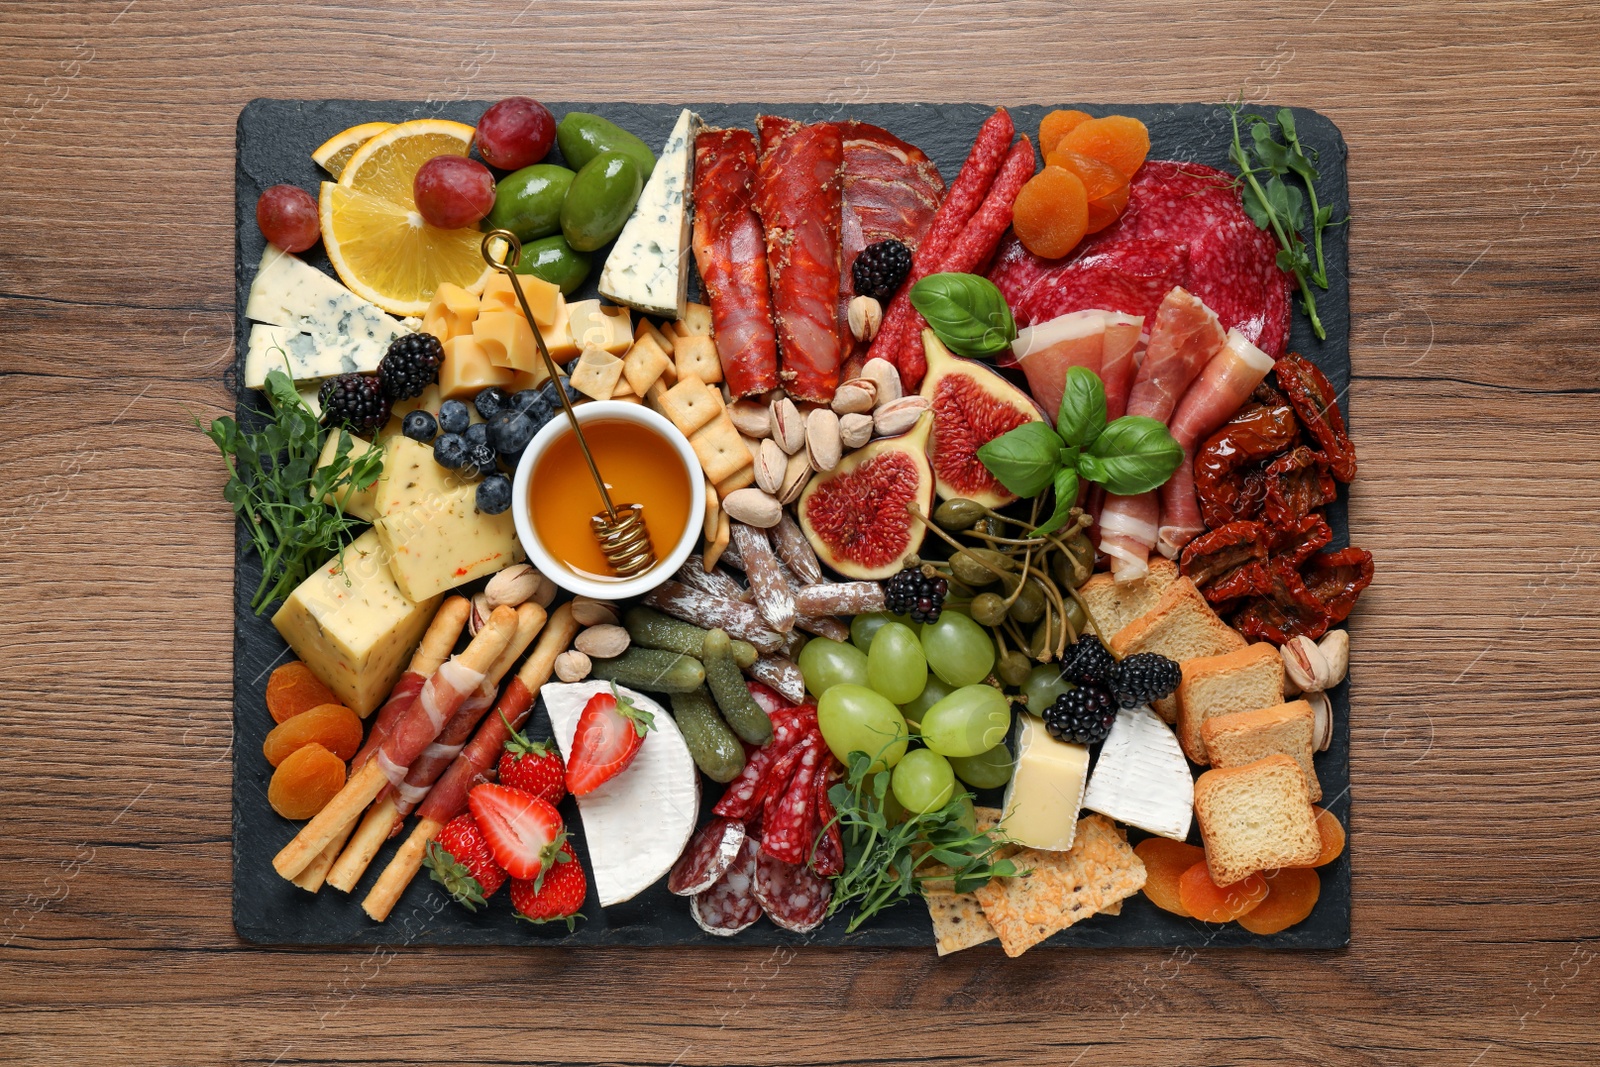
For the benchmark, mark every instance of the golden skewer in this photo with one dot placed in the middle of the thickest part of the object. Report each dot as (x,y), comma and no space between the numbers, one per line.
(620,529)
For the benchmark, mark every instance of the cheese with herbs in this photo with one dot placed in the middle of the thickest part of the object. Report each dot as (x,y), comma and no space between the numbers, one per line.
(1142,777)
(1046,790)
(358,503)
(649,265)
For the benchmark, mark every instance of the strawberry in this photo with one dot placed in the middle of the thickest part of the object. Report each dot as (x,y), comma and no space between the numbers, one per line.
(460,860)
(533,767)
(609,734)
(556,894)
(521,829)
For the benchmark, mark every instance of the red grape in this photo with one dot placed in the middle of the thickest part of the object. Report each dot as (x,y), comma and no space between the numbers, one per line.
(287,216)
(453,191)
(515,133)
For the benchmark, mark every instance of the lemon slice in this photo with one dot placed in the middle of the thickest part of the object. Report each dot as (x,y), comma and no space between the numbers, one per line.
(331,155)
(374,236)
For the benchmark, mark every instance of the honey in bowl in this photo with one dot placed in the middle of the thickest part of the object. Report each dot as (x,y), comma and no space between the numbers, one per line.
(638,467)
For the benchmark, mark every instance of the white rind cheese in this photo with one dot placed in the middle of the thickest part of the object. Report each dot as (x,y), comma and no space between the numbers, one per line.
(637,824)
(1046,790)
(1142,777)
(309,325)
(648,267)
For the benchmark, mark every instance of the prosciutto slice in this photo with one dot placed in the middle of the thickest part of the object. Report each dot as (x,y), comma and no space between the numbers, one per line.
(799,197)
(442,696)
(731,254)
(1225,383)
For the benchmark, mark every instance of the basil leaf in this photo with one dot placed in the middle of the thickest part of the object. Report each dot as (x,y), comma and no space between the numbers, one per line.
(1082,414)
(1134,455)
(1023,460)
(1066,484)
(967,313)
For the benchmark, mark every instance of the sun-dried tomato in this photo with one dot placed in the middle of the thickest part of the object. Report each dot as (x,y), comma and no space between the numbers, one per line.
(1288,609)
(1228,472)
(1337,579)
(1297,483)
(1318,407)
(1228,562)
(1301,540)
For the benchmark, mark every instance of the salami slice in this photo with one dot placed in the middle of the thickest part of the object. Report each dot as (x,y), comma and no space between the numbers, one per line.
(790,820)
(744,794)
(792,896)
(828,857)
(709,855)
(730,905)
(783,771)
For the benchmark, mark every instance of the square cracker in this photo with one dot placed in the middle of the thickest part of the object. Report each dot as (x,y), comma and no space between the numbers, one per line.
(958,919)
(1062,888)
(722,454)
(690,404)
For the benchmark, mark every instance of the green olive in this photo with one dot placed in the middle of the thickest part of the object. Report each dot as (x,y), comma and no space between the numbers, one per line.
(600,200)
(968,565)
(1031,601)
(528,202)
(988,609)
(1014,668)
(557,262)
(957,514)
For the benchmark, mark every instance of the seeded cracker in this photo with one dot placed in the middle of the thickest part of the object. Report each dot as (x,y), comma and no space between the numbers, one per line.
(1062,888)
(958,920)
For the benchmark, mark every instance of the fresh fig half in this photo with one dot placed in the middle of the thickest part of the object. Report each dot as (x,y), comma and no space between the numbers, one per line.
(855,515)
(971,405)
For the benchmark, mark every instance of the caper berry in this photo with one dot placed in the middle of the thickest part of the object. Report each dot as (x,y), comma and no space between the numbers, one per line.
(968,565)
(1030,603)
(957,514)
(1073,567)
(988,609)
(1014,668)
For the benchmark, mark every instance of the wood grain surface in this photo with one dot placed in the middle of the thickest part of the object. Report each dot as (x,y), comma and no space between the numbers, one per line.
(1475,184)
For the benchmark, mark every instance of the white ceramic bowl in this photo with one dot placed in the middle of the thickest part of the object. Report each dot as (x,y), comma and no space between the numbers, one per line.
(669,557)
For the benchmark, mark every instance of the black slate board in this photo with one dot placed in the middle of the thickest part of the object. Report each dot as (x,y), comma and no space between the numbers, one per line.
(275,140)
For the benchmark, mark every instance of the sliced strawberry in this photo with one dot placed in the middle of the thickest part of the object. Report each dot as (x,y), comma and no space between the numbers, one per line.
(460,860)
(608,736)
(518,826)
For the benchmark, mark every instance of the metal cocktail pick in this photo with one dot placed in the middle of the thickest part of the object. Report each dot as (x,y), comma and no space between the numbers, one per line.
(620,529)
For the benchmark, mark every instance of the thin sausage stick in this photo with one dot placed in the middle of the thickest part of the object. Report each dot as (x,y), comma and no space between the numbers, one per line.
(363,788)
(535,672)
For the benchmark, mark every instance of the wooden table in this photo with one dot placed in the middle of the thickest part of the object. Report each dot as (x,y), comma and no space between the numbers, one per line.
(1474,181)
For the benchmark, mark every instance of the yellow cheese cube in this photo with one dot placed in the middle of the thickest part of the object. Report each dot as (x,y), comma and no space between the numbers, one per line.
(506,339)
(466,369)
(1046,790)
(528,379)
(461,302)
(558,335)
(356,502)
(450,313)
(351,624)
(610,328)
(542,296)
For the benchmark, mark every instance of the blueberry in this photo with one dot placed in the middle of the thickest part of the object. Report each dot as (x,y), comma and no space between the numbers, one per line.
(526,401)
(480,460)
(509,461)
(510,431)
(549,390)
(454,417)
(450,451)
(494,494)
(476,434)
(489,401)
(420,426)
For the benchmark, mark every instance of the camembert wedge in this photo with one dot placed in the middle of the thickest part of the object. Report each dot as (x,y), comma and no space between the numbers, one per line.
(1142,777)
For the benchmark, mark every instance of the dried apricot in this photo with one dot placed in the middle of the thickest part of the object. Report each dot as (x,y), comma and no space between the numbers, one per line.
(1118,140)
(1332,836)
(333,726)
(1057,125)
(1291,894)
(293,689)
(1051,213)
(1099,179)
(1213,903)
(1164,863)
(1107,209)
(305,782)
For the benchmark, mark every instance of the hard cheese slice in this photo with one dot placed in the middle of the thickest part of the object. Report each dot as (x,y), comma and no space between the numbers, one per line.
(638,823)
(314,327)
(649,266)
(1046,790)
(1142,778)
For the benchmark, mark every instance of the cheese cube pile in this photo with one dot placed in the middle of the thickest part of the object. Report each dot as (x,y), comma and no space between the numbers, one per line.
(487,341)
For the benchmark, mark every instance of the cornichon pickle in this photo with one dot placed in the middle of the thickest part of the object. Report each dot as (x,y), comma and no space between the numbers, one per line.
(557,262)
(732,694)
(714,748)
(652,669)
(583,136)
(528,201)
(651,629)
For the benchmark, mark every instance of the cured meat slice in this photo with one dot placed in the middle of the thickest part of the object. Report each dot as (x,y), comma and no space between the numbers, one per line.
(791,826)
(1120,359)
(1183,339)
(1184,225)
(1128,530)
(711,852)
(799,197)
(791,894)
(744,795)
(828,859)
(730,252)
(730,905)
(1047,350)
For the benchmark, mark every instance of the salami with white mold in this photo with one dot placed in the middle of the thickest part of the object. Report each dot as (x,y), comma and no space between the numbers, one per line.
(782,674)
(711,852)
(791,894)
(766,575)
(730,904)
(741,620)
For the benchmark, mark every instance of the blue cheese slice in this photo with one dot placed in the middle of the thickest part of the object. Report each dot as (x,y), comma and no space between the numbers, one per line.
(648,267)
(1142,777)
(636,825)
(309,325)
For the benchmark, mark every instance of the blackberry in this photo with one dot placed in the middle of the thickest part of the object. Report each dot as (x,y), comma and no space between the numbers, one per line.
(494,494)
(410,365)
(354,400)
(420,426)
(491,401)
(450,451)
(915,594)
(1081,717)
(1087,660)
(1144,677)
(454,417)
(880,268)
(510,431)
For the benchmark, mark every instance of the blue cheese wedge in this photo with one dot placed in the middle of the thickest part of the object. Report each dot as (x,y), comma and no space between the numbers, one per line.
(309,325)
(636,825)
(1142,777)
(1046,790)
(648,267)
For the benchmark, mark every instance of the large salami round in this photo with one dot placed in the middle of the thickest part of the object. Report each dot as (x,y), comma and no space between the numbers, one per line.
(730,905)
(1184,225)
(710,853)
(793,897)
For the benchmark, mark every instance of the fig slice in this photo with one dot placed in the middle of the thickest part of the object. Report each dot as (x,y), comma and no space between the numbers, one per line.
(971,406)
(855,515)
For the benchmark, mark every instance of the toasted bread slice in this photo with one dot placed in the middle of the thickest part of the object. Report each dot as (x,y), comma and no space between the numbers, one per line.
(1113,605)
(1181,626)
(1245,736)
(1256,818)
(1241,680)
